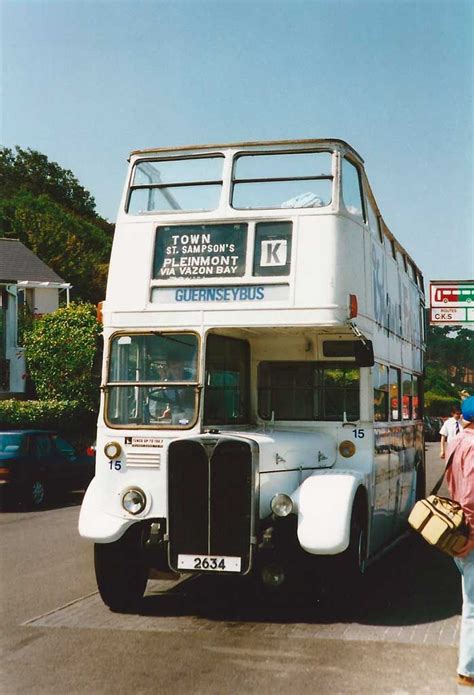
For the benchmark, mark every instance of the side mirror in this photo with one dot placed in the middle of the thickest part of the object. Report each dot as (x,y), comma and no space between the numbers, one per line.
(364,353)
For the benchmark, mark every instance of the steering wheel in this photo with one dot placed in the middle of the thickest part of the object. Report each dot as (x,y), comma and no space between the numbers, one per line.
(157,394)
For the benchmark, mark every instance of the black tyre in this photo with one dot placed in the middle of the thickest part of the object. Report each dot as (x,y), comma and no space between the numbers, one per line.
(420,489)
(4,499)
(347,590)
(355,556)
(36,493)
(121,575)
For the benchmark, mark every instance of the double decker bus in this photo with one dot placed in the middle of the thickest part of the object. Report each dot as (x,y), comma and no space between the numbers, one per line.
(260,409)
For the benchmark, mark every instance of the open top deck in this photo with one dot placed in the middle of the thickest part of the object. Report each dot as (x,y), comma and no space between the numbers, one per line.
(271,145)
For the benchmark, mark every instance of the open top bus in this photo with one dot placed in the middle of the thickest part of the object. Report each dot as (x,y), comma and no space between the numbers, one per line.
(262,376)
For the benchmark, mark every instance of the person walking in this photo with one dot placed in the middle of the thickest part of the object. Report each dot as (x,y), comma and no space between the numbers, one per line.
(450,429)
(460,480)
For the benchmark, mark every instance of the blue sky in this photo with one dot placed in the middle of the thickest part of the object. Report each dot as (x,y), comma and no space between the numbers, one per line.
(86,82)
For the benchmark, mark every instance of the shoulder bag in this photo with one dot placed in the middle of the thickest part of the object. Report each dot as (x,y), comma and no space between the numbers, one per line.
(440,520)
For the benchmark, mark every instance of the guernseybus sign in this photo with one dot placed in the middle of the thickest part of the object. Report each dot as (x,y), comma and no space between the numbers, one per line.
(220,295)
(452,301)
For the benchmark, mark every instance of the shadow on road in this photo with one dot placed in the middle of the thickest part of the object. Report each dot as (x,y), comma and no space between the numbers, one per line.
(414,584)
(411,585)
(55,500)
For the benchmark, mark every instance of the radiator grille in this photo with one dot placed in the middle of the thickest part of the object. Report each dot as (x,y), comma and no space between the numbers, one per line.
(210,499)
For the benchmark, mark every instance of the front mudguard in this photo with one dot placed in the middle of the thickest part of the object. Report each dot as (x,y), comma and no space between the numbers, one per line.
(324,503)
(97,524)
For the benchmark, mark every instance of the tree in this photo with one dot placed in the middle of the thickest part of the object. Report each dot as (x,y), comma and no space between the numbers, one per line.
(449,356)
(29,170)
(46,208)
(73,247)
(437,380)
(61,355)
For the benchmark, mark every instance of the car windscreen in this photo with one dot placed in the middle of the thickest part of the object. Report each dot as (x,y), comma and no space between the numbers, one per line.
(12,443)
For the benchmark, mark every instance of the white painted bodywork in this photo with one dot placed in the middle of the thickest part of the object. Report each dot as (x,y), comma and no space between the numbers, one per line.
(324,504)
(300,464)
(334,255)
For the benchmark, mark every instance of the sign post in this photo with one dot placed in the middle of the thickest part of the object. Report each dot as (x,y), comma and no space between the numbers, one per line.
(451,302)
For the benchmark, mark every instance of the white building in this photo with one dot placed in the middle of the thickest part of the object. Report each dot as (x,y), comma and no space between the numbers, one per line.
(26,283)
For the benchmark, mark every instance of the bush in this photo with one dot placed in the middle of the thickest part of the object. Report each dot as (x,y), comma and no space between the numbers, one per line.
(69,418)
(61,355)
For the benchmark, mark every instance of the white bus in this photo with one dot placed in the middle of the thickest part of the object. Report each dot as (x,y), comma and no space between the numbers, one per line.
(263,360)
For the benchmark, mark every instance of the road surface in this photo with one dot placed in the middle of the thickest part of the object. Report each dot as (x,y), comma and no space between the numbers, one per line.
(58,637)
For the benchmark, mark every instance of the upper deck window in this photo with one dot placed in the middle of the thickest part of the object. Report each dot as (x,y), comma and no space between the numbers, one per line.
(374,222)
(421,283)
(181,185)
(290,180)
(352,189)
(401,260)
(412,272)
(394,249)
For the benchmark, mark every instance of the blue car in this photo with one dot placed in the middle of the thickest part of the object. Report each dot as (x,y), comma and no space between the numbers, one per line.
(34,464)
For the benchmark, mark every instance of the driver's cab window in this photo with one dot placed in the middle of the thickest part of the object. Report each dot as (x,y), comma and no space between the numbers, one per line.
(226,395)
(153,380)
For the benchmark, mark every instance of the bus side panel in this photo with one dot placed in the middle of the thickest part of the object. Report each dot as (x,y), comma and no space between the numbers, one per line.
(128,284)
(324,503)
(333,249)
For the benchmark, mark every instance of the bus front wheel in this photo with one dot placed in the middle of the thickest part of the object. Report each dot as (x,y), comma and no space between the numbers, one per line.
(351,567)
(354,558)
(120,574)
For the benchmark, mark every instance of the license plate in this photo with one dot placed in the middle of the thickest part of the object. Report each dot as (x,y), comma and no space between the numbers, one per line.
(209,563)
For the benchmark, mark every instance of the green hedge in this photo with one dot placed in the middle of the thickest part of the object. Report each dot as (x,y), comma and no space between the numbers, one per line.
(70,418)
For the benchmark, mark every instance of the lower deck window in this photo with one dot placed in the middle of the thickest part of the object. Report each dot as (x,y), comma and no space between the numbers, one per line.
(152,380)
(308,391)
(381,392)
(395,413)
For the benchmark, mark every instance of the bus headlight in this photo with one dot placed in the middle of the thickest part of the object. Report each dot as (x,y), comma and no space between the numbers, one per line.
(112,450)
(134,500)
(281,504)
(347,449)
